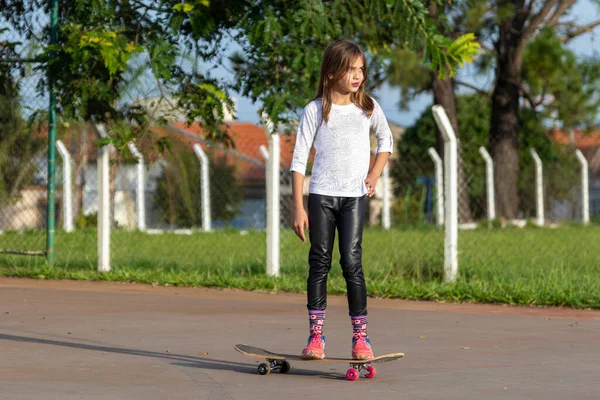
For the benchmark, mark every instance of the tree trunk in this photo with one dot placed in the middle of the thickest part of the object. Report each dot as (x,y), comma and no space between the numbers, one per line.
(504,129)
(443,94)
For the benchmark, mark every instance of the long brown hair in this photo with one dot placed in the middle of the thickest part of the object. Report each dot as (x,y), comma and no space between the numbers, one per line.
(336,61)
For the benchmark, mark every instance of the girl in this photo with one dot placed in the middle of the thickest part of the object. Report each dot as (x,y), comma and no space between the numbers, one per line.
(338,123)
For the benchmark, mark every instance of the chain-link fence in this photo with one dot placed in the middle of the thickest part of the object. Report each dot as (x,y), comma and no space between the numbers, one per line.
(178,207)
(23,147)
(415,193)
(548,182)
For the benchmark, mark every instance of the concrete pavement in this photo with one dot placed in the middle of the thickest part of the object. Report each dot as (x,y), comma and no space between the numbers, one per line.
(96,340)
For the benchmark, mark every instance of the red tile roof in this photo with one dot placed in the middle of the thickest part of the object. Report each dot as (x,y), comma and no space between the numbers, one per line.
(247,138)
(582,140)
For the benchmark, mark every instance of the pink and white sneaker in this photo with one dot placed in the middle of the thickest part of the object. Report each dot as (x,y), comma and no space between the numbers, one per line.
(315,350)
(361,347)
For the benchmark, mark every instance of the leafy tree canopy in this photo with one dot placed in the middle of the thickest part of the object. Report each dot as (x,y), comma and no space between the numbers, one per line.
(105,46)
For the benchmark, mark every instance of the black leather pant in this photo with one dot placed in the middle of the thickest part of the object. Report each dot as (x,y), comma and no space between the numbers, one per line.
(347,214)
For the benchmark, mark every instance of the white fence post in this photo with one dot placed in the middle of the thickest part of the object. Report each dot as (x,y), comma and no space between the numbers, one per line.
(385,212)
(451,193)
(539,187)
(489,182)
(585,188)
(140,187)
(206,211)
(272,198)
(439,184)
(67,188)
(103,203)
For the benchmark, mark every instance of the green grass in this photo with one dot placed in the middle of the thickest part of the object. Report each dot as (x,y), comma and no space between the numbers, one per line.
(516,266)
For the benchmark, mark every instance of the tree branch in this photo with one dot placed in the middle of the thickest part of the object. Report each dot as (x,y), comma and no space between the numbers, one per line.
(560,10)
(534,104)
(537,20)
(526,94)
(530,29)
(141,4)
(380,81)
(486,48)
(580,31)
(471,86)
(530,5)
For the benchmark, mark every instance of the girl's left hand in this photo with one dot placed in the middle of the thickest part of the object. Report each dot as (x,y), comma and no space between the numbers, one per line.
(371,182)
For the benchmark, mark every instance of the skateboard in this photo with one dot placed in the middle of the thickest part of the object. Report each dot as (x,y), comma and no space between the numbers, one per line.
(279,362)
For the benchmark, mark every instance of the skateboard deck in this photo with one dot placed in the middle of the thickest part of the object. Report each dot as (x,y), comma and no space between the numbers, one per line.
(280,361)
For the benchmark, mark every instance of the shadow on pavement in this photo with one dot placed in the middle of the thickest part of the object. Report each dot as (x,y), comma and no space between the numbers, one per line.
(178,359)
(251,369)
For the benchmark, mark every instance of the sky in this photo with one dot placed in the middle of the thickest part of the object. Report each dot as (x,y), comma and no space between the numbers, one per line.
(388,97)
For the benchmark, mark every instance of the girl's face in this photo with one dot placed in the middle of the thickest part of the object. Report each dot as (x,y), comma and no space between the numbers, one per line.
(353,78)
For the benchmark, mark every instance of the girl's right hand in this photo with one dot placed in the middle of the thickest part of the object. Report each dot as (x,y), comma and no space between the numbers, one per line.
(300,223)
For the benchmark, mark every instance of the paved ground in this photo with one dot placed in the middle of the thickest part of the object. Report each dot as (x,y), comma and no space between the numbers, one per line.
(82,340)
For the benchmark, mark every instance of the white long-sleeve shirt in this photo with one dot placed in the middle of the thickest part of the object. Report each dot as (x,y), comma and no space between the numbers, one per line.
(342,147)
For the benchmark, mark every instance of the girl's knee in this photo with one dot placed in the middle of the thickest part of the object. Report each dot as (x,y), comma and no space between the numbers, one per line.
(354,273)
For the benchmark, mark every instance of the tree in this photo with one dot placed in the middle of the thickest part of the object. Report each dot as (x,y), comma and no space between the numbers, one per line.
(544,71)
(443,90)
(18,145)
(564,86)
(99,40)
(516,23)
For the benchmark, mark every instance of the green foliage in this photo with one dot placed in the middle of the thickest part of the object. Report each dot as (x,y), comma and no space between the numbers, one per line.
(283,43)
(407,71)
(549,68)
(19,141)
(459,52)
(178,195)
(187,7)
(409,209)
(90,60)
(282,48)
(86,221)
(102,47)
